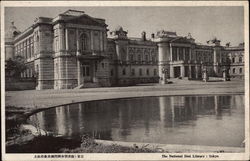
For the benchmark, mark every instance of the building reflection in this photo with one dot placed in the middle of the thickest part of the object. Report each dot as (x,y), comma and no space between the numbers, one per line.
(183,108)
(139,116)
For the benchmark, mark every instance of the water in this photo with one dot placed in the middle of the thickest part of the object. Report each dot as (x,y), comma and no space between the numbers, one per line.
(192,120)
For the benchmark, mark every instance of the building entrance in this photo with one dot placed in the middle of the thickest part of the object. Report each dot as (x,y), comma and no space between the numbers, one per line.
(86,73)
(177,72)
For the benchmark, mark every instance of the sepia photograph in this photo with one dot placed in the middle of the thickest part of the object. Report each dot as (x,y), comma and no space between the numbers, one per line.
(124,80)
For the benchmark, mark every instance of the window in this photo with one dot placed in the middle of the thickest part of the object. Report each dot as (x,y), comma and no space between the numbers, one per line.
(155,72)
(240,70)
(85,70)
(131,57)
(174,53)
(56,45)
(233,60)
(32,50)
(111,72)
(57,70)
(146,58)
(103,65)
(186,53)
(180,53)
(139,57)
(37,70)
(233,70)
(153,59)
(37,38)
(240,59)
(96,67)
(140,72)
(132,71)
(147,71)
(124,71)
(83,42)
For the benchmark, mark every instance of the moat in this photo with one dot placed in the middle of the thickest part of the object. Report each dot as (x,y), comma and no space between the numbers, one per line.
(213,120)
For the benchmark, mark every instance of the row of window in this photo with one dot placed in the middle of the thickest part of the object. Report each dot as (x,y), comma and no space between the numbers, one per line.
(139,58)
(25,48)
(239,60)
(28,73)
(234,70)
(180,53)
(133,71)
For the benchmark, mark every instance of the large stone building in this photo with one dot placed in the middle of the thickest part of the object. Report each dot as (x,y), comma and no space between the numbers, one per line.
(74,50)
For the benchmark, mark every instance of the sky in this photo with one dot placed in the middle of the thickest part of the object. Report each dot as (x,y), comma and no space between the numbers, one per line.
(204,23)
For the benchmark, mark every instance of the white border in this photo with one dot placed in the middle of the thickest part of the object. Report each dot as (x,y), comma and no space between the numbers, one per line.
(136,156)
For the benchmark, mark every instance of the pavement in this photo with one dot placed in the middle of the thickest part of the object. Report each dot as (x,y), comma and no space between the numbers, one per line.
(34,99)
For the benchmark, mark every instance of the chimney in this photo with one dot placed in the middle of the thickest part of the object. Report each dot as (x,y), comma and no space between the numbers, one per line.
(143,36)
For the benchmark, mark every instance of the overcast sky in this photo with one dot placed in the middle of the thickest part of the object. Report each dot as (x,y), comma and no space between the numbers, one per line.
(204,23)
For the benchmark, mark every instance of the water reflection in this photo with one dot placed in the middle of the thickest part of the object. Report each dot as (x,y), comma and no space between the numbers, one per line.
(203,120)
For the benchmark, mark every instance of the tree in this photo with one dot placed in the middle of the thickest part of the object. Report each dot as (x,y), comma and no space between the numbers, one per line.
(14,67)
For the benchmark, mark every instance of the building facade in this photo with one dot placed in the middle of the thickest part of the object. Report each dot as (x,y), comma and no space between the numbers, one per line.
(73,50)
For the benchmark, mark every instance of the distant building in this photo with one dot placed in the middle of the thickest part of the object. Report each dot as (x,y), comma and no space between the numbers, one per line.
(73,50)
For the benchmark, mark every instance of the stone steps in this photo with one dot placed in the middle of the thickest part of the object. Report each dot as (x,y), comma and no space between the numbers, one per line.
(88,85)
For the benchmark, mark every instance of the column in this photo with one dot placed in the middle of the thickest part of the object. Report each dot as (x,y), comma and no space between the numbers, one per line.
(77,43)
(189,72)
(104,41)
(92,40)
(62,37)
(79,72)
(196,71)
(182,71)
(215,64)
(190,54)
(101,41)
(177,54)
(171,71)
(67,38)
(184,53)
(171,53)
(163,52)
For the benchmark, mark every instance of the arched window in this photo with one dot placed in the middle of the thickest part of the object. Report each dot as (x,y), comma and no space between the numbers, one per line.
(124,71)
(240,59)
(83,42)
(233,60)
(233,70)
(37,38)
(240,70)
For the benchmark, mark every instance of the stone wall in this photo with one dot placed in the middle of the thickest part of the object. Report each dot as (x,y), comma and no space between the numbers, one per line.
(65,72)
(44,65)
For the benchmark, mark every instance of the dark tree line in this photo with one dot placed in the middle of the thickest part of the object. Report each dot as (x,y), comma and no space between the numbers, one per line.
(14,67)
